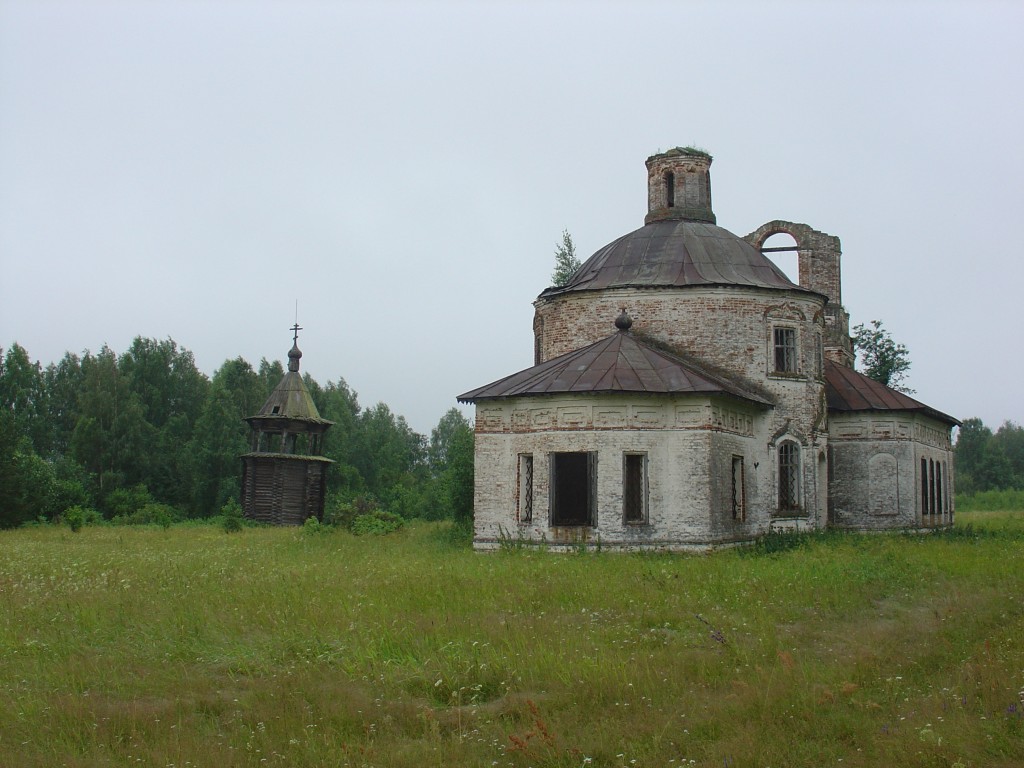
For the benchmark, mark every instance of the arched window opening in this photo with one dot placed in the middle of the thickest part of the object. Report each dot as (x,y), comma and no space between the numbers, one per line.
(670,190)
(789,477)
(782,250)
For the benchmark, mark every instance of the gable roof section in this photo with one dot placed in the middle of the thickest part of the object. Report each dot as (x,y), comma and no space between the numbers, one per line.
(847,390)
(619,363)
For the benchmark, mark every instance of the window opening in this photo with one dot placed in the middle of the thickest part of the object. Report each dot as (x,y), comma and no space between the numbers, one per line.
(924,486)
(525,487)
(785,350)
(573,480)
(670,190)
(738,489)
(784,251)
(789,477)
(938,488)
(931,486)
(275,409)
(634,487)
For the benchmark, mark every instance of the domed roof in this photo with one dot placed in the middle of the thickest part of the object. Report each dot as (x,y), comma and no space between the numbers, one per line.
(675,254)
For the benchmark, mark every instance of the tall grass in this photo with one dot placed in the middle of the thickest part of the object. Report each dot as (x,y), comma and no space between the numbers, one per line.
(189,646)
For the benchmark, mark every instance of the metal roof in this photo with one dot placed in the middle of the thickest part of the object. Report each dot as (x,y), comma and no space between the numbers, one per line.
(620,363)
(676,254)
(848,390)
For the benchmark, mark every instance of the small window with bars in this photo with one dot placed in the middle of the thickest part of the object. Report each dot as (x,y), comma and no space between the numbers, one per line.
(738,489)
(789,477)
(524,511)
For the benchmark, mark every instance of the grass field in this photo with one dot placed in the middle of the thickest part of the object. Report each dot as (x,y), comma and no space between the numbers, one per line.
(192,647)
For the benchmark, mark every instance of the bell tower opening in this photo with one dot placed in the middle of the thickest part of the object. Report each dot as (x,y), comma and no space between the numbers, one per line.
(782,249)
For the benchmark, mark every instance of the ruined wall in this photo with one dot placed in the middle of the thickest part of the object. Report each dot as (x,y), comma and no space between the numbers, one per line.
(819,263)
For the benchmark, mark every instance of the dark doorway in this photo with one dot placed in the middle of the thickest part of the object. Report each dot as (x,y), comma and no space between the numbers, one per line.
(572,488)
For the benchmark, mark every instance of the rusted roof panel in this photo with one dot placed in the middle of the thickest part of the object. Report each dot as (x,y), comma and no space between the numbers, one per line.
(677,254)
(620,363)
(848,390)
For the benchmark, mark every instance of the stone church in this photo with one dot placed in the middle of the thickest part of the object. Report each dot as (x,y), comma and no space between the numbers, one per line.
(685,394)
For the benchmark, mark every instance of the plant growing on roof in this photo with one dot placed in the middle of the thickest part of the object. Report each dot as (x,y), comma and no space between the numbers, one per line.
(881,358)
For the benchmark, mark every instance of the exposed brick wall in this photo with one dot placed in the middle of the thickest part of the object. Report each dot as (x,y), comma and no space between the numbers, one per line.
(688,174)
(819,262)
(728,328)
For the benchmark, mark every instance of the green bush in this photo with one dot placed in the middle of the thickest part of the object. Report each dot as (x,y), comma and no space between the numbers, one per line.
(151,513)
(377,523)
(232,520)
(125,502)
(312,527)
(74,517)
(77,516)
(66,494)
(343,513)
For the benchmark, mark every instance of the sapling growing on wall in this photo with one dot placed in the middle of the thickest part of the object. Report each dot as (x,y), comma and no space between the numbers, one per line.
(566,261)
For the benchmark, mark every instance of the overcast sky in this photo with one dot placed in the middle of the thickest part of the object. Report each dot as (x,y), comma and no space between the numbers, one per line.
(404,170)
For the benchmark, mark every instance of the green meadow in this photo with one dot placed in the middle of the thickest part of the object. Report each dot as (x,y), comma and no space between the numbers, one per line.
(188,646)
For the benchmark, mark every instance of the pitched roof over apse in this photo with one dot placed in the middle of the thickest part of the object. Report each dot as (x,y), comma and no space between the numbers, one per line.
(619,363)
(848,390)
(675,254)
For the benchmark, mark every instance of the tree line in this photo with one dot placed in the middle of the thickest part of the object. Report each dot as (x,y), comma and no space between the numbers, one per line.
(114,433)
(987,460)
